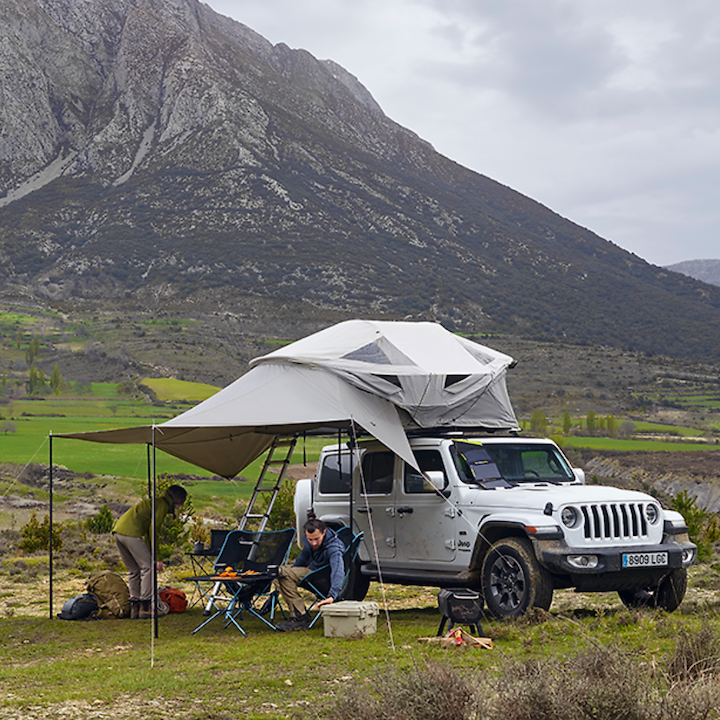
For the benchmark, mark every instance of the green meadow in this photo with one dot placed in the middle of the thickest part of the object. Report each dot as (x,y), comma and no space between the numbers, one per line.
(30,422)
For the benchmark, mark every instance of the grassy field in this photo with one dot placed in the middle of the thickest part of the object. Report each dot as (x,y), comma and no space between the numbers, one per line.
(172,389)
(56,669)
(53,668)
(618,444)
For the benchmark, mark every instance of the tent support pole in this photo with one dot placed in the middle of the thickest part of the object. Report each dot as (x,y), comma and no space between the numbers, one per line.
(353,443)
(153,604)
(149,466)
(50,521)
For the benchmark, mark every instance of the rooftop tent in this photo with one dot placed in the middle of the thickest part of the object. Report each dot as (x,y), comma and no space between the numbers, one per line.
(436,378)
(385,377)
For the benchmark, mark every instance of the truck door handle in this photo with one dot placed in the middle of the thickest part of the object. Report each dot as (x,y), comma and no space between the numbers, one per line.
(364,510)
(404,511)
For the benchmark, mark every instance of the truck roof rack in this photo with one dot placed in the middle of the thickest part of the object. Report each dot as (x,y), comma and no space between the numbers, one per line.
(459,432)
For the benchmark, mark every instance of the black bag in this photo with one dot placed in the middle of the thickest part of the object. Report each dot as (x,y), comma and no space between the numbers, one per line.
(81,607)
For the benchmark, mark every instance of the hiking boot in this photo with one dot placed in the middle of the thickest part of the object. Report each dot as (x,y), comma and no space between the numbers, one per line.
(134,609)
(145,610)
(299,622)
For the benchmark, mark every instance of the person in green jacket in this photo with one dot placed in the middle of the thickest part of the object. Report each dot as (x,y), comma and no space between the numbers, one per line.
(132,537)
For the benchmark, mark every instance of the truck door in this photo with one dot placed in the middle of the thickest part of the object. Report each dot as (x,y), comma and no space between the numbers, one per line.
(375,499)
(425,521)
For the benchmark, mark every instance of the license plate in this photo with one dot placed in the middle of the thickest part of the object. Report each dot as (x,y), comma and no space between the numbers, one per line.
(632,560)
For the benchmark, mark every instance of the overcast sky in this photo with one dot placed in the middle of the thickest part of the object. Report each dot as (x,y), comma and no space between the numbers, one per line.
(606,111)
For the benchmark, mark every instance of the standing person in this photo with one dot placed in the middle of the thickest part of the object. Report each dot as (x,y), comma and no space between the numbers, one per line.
(132,537)
(320,546)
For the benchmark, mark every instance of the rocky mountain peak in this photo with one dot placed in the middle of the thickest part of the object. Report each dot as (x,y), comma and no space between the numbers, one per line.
(158,157)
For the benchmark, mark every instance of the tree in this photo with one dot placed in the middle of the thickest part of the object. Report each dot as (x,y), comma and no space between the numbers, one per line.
(590,422)
(32,350)
(538,422)
(612,426)
(37,379)
(567,423)
(56,380)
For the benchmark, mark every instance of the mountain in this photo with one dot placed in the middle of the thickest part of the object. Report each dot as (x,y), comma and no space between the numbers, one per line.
(157,157)
(706,270)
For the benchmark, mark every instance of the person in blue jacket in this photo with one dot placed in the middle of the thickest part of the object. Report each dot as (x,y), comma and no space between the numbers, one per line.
(320,546)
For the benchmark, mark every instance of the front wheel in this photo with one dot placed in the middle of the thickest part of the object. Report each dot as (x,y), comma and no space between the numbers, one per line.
(667,595)
(513,581)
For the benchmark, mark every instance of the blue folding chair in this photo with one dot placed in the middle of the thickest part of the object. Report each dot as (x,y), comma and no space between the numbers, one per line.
(318,581)
(244,551)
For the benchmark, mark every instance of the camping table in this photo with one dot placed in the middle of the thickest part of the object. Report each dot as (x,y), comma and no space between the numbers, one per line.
(202,564)
(243,581)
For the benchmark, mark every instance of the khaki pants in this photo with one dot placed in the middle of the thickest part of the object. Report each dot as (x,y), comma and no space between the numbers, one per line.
(138,560)
(287,583)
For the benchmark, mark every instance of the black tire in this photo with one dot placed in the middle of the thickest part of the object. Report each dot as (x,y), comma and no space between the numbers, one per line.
(513,581)
(667,595)
(358,584)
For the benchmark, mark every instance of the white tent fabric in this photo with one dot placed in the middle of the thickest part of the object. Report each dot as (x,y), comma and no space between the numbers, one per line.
(438,378)
(384,377)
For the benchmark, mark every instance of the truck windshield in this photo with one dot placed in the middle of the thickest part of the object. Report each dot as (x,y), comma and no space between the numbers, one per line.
(505,464)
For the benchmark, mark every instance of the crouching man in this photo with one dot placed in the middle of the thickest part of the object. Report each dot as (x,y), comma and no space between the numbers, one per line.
(320,546)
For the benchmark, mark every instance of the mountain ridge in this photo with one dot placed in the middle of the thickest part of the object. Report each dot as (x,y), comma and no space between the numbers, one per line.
(707,270)
(193,167)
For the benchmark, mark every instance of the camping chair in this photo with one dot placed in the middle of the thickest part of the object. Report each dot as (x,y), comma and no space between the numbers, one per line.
(318,581)
(200,560)
(244,551)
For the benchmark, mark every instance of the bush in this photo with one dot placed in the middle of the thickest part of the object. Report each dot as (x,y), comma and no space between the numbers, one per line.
(175,531)
(102,522)
(604,683)
(703,527)
(35,536)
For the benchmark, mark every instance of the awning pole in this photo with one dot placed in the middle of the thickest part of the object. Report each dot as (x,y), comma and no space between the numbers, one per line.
(153,605)
(50,519)
(352,438)
(149,464)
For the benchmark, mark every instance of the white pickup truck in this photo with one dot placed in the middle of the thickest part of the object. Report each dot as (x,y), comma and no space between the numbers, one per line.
(505,515)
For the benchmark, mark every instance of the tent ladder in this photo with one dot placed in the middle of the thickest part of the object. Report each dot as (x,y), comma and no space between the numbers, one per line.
(257,513)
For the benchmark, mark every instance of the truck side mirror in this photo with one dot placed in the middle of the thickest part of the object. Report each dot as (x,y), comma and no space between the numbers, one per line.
(579,475)
(434,480)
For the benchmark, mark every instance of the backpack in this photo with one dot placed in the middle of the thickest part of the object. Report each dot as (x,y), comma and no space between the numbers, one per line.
(81,607)
(112,594)
(175,599)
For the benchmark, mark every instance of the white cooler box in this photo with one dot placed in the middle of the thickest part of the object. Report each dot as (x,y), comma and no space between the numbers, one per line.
(350,618)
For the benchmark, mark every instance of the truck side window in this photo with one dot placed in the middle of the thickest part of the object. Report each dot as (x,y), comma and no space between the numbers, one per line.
(335,476)
(427,460)
(378,469)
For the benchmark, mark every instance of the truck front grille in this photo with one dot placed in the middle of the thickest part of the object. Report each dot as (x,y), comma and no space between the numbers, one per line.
(614,521)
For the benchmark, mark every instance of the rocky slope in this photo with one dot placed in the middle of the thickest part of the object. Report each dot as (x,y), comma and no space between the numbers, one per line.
(156,156)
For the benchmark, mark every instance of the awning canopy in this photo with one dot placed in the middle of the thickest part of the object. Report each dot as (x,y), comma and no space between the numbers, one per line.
(383,377)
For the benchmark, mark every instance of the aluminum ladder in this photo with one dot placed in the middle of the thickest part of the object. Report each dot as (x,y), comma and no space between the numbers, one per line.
(256,517)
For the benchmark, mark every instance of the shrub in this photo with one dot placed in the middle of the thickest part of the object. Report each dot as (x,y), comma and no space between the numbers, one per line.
(432,692)
(35,536)
(696,654)
(102,522)
(703,528)
(175,531)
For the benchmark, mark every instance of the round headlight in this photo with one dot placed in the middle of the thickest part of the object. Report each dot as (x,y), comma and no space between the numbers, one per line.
(569,516)
(651,513)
